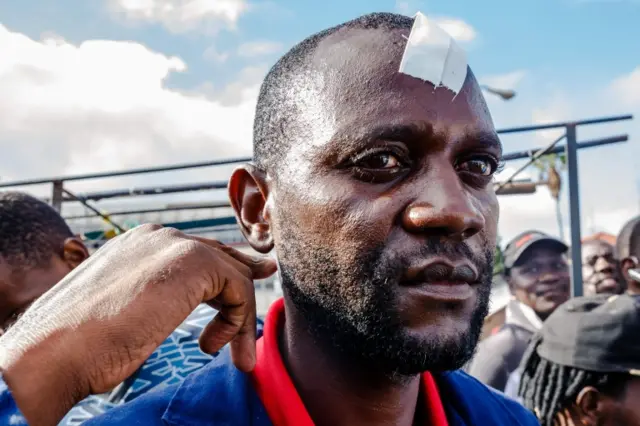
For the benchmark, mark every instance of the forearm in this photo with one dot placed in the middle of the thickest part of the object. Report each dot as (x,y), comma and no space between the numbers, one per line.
(39,385)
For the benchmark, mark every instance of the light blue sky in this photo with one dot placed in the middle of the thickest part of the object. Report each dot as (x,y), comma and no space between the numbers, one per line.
(563,57)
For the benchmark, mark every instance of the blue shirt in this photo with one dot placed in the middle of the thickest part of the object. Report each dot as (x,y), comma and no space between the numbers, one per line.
(170,364)
(220,394)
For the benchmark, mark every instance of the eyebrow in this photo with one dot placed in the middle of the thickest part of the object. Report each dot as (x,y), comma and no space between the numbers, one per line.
(414,132)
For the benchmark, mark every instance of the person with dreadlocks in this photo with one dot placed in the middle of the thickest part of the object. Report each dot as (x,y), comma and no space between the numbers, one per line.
(583,367)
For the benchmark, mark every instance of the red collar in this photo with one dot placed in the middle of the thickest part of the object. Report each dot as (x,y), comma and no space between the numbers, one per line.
(280,398)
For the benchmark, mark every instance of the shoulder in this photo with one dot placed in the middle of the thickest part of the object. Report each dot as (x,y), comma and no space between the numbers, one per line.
(507,345)
(478,402)
(491,355)
(502,340)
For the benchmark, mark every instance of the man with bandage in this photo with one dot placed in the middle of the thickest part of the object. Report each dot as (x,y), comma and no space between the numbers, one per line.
(373,181)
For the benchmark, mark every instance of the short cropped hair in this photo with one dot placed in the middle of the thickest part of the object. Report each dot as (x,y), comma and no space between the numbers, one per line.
(278,104)
(31,231)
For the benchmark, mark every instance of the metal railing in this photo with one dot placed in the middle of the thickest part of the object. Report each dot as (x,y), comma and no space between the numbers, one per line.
(60,194)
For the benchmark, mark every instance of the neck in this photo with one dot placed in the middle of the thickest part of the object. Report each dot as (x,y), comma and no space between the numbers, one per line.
(338,393)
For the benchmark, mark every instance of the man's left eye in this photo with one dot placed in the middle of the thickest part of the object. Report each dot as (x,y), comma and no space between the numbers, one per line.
(478,166)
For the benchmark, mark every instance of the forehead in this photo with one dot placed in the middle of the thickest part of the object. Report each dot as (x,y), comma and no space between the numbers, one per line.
(592,248)
(358,87)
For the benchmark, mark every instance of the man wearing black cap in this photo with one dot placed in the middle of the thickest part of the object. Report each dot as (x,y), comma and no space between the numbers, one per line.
(583,367)
(537,273)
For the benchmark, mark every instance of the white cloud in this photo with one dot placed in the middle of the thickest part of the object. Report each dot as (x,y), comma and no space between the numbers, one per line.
(556,110)
(259,48)
(457,28)
(182,15)
(103,105)
(627,87)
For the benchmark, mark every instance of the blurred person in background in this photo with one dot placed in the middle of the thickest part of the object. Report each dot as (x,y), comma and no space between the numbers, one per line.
(583,368)
(537,273)
(628,248)
(37,250)
(600,268)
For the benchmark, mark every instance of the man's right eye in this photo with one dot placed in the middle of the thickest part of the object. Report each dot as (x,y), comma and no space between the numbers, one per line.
(380,161)
(379,164)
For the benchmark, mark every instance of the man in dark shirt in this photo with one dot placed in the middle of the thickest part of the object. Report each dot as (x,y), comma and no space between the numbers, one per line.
(538,276)
(375,187)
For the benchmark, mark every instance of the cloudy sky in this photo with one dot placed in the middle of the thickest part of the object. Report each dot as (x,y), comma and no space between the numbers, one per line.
(90,85)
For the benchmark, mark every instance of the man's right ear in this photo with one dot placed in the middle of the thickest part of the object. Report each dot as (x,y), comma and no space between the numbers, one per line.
(249,195)
(628,263)
(74,252)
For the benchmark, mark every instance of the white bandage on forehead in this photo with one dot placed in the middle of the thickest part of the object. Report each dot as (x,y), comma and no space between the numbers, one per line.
(432,55)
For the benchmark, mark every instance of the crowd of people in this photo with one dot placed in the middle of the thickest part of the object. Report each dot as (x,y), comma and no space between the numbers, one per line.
(375,189)
(587,343)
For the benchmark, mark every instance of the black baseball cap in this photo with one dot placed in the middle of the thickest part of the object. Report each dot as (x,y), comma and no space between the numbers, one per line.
(596,333)
(523,242)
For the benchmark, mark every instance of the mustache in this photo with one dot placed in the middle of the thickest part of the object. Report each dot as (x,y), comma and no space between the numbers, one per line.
(434,246)
(439,272)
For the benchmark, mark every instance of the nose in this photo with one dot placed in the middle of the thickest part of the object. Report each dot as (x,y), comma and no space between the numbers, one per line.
(603,265)
(444,208)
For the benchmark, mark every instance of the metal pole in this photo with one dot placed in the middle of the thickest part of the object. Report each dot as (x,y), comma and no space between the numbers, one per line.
(574,210)
(93,209)
(56,196)
(565,124)
(532,160)
(167,208)
(521,155)
(129,172)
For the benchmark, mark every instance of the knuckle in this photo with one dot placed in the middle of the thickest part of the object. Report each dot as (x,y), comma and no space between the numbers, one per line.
(147,228)
(192,248)
(169,233)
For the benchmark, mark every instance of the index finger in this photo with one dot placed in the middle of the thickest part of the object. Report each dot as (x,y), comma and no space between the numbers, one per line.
(261,266)
(236,310)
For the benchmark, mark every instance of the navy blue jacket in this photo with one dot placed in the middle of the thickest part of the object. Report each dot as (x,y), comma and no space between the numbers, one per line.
(219,394)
